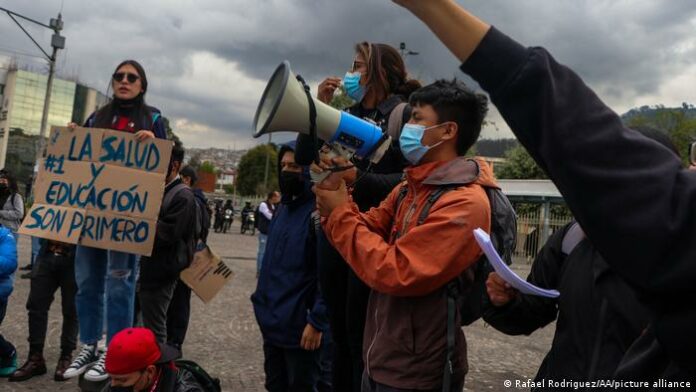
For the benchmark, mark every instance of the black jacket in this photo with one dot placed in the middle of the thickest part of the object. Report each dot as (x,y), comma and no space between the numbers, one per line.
(179,380)
(597,322)
(174,242)
(629,193)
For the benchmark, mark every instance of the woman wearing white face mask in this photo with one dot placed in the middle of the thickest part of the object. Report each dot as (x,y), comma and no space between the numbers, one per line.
(378,83)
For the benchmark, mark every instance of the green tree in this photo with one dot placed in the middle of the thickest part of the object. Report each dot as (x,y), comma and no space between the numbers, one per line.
(228,188)
(251,170)
(207,167)
(676,122)
(519,165)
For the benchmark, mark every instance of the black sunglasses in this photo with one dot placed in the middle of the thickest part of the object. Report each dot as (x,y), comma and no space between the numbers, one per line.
(119,76)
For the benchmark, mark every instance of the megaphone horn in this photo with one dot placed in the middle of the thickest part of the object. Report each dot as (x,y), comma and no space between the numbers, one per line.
(285,107)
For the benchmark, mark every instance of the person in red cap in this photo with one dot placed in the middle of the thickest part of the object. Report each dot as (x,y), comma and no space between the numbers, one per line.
(135,361)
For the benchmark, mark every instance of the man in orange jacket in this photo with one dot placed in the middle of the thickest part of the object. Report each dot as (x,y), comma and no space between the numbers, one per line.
(408,263)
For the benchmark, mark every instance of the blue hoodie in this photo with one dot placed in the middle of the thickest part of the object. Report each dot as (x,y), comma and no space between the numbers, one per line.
(287,296)
(8,261)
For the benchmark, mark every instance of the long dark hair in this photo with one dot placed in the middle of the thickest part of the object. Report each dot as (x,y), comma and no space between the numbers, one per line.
(386,70)
(137,110)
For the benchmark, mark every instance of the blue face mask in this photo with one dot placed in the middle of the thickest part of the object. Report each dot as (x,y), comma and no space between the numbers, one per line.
(351,82)
(410,142)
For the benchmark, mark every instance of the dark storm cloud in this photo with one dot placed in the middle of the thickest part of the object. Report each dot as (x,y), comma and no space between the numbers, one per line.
(623,49)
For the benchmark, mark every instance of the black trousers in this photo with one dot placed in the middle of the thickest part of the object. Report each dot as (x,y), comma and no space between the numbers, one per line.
(178,314)
(49,273)
(154,303)
(346,299)
(290,369)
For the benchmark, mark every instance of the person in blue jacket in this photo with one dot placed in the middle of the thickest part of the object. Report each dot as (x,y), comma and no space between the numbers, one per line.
(287,302)
(8,265)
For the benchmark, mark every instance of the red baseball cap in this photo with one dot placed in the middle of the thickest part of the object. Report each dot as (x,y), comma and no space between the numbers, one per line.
(135,349)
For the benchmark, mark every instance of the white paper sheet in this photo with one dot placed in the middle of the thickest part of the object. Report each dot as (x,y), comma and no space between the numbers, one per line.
(484,241)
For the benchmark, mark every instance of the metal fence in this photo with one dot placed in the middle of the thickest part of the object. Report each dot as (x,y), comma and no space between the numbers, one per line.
(533,229)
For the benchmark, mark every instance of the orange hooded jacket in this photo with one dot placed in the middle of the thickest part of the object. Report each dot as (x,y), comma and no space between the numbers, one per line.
(405,330)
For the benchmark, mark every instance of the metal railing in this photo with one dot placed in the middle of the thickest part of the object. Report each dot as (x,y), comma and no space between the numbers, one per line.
(530,232)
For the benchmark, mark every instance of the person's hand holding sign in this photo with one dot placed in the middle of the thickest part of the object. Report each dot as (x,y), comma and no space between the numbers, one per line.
(144,135)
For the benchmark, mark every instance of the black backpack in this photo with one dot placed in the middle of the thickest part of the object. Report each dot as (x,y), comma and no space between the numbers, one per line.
(202,220)
(467,291)
(469,288)
(207,382)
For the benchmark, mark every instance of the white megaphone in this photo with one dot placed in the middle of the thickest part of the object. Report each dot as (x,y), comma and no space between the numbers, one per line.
(286,106)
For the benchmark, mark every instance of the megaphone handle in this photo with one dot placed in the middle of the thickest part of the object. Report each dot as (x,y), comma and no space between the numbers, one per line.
(312,118)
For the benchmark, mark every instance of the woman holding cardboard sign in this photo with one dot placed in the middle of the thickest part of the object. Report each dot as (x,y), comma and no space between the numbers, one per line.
(99,271)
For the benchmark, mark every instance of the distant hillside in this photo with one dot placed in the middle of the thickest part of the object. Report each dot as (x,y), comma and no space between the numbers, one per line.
(495,148)
(651,113)
(678,122)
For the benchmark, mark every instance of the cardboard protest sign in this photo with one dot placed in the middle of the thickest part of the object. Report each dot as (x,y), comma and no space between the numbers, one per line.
(207,274)
(53,222)
(100,188)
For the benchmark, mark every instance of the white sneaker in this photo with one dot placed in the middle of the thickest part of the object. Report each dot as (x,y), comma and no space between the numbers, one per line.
(86,357)
(98,371)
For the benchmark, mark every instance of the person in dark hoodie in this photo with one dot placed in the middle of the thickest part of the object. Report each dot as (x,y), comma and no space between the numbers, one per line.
(179,311)
(172,252)
(287,302)
(631,195)
(598,314)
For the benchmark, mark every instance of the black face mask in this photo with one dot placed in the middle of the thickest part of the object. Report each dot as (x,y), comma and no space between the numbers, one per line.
(129,388)
(3,187)
(291,183)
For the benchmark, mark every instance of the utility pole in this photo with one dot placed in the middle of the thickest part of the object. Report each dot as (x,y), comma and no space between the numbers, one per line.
(57,42)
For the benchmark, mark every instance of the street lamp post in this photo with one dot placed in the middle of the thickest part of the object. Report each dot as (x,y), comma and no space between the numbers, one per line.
(57,42)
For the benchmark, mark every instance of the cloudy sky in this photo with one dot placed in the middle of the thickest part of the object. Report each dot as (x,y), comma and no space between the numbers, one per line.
(207,61)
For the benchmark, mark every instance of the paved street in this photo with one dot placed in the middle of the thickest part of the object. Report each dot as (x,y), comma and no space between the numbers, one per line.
(224,338)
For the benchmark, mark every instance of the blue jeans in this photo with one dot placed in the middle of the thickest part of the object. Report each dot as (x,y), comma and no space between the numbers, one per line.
(35,247)
(104,277)
(262,250)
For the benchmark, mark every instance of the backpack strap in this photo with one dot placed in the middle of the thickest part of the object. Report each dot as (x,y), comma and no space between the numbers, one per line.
(396,120)
(452,288)
(572,238)
(434,196)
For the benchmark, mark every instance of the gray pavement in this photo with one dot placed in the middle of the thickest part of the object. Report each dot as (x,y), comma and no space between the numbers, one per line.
(223,336)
